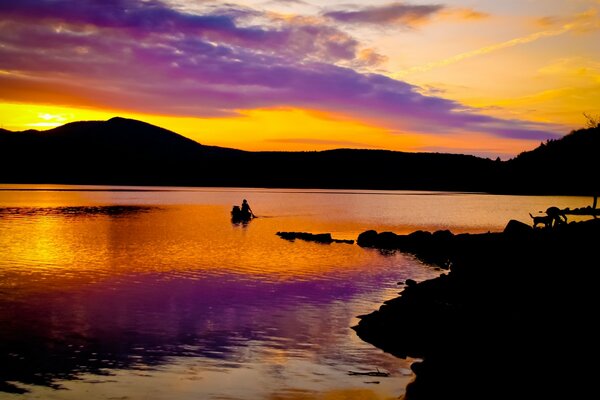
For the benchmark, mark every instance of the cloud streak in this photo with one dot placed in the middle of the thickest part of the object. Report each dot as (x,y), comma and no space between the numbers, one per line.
(394,13)
(582,23)
(145,57)
(402,14)
(484,50)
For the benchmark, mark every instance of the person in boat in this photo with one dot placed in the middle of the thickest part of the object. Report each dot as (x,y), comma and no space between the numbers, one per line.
(246,210)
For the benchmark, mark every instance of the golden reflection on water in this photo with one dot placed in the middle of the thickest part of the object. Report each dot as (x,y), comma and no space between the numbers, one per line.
(175,241)
(193,240)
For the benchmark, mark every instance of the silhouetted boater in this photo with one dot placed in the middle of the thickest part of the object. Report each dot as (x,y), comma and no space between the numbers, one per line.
(246,210)
(243,213)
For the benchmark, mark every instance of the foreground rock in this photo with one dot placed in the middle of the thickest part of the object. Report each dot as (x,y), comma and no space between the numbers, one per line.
(312,237)
(514,318)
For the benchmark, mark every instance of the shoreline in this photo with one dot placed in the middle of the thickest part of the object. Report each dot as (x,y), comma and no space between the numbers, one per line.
(512,317)
(166,187)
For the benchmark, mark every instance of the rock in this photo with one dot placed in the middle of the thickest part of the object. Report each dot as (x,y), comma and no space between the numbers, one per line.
(442,235)
(324,238)
(367,238)
(512,301)
(420,235)
(410,282)
(347,241)
(517,228)
(387,240)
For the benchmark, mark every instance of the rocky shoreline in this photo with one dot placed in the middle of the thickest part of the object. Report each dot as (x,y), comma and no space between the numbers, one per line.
(513,317)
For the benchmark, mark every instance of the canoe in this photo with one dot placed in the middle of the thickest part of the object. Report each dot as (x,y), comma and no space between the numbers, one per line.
(237,215)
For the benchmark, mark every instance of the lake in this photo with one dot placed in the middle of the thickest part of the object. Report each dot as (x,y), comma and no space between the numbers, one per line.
(147,292)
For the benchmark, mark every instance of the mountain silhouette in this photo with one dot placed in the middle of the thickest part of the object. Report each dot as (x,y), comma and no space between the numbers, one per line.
(126,151)
(116,151)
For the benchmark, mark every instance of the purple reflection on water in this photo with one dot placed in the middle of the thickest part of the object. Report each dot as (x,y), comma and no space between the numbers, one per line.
(145,320)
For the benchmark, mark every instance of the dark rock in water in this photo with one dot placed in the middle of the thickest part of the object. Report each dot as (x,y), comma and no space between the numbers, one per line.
(387,240)
(513,318)
(430,248)
(312,237)
(367,238)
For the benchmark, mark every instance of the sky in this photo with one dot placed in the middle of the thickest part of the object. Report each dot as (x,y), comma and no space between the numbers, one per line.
(480,77)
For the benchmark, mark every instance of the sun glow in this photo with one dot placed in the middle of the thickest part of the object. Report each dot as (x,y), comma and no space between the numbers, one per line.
(289,129)
(279,129)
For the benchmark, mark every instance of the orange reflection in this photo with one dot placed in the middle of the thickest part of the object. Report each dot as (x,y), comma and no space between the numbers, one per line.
(80,244)
(61,249)
(341,394)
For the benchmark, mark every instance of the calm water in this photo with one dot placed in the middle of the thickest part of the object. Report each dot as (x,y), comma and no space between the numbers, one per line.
(137,293)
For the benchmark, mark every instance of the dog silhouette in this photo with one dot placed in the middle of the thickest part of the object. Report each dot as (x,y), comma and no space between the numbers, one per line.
(545,220)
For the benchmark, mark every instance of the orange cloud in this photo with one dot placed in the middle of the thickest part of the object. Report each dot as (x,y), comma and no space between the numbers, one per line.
(369,57)
(587,21)
(463,14)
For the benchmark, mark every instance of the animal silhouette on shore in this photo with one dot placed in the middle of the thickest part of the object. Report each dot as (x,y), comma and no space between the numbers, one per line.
(554,217)
(545,220)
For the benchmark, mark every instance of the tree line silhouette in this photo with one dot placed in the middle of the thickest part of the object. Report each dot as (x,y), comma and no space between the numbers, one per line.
(128,152)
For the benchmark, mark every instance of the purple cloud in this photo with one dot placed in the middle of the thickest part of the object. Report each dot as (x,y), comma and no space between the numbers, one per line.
(288,2)
(394,13)
(144,56)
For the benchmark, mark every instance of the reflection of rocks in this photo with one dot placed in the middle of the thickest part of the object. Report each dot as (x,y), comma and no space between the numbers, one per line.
(312,237)
(513,318)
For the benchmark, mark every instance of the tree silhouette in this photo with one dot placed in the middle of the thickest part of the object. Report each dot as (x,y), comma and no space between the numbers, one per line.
(592,120)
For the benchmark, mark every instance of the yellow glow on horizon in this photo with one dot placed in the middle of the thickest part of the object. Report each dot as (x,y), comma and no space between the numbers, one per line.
(277,129)
(476,143)
(296,129)
(281,129)
(18,117)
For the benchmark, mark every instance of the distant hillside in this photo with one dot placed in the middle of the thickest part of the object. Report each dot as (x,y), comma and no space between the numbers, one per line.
(115,151)
(566,165)
(124,151)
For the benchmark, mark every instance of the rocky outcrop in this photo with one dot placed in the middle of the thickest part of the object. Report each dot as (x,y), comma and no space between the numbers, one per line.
(430,247)
(513,318)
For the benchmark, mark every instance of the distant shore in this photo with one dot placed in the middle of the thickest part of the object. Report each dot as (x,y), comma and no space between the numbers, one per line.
(513,317)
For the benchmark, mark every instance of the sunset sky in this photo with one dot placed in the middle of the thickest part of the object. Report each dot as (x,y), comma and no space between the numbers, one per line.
(484,77)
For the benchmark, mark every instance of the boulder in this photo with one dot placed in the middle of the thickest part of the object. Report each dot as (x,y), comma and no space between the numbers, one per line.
(517,228)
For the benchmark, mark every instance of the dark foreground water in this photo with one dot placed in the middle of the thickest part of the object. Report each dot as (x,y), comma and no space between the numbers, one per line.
(137,293)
